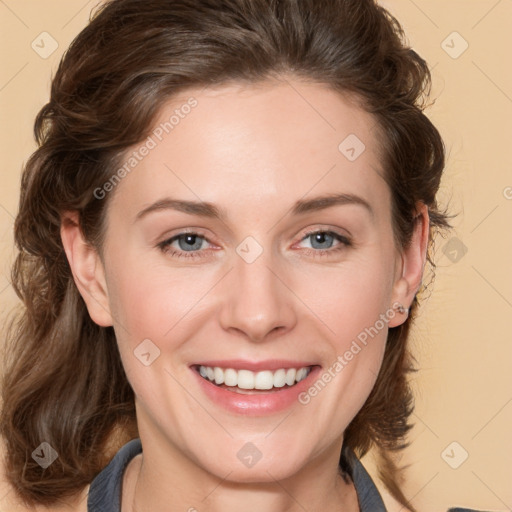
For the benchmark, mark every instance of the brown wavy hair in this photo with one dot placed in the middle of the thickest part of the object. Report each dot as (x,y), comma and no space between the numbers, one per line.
(63,381)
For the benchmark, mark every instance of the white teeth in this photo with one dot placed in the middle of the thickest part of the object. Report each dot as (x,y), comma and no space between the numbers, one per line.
(230,377)
(219,375)
(279,378)
(301,374)
(246,379)
(290,376)
(264,380)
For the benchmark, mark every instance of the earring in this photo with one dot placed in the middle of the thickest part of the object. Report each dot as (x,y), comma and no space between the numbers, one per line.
(401,309)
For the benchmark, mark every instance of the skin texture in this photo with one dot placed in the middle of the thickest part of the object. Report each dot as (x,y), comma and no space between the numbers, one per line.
(252,150)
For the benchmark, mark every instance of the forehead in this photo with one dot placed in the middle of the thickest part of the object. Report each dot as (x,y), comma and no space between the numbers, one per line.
(255,144)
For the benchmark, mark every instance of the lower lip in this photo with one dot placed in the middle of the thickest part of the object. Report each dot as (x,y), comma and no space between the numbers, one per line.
(260,403)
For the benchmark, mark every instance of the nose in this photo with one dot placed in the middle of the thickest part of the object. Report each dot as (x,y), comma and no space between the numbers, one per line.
(258,302)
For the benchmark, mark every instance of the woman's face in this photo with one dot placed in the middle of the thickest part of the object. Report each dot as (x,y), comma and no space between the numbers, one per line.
(274,277)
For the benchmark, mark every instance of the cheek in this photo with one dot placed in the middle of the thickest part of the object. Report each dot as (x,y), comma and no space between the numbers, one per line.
(349,298)
(352,303)
(148,301)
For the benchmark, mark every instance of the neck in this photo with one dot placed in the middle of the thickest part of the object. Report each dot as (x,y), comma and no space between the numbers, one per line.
(150,484)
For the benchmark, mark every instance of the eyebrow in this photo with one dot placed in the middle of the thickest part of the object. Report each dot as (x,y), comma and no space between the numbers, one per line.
(209,210)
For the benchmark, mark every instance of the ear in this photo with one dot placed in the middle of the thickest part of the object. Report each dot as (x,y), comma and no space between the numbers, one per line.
(410,266)
(87,269)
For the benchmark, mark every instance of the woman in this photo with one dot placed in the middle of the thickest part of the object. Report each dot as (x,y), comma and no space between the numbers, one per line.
(179,312)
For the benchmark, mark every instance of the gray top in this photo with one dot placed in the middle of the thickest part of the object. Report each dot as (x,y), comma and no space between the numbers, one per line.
(105,490)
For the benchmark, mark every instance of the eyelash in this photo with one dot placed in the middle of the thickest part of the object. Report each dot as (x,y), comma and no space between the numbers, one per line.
(345,242)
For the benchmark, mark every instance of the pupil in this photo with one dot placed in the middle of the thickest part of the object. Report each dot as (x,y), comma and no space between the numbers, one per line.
(190,242)
(321,237)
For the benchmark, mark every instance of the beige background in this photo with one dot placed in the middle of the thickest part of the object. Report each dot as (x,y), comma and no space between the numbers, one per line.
(463,338)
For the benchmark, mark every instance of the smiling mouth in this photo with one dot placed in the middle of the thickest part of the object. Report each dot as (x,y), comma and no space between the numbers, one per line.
(249,382)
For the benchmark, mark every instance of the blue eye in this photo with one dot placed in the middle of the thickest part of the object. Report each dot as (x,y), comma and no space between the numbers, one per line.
(326,238)
(190,243)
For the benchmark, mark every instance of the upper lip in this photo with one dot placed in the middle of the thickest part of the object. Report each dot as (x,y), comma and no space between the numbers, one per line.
(269,364)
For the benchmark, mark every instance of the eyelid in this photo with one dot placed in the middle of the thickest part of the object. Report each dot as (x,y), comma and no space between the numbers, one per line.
(306,233)
(325,229)
(184,231)
(164,245)
(343,239)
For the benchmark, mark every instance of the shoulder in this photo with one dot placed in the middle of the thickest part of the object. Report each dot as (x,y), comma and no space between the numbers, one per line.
(103,490)
(106,489)
(392,505)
